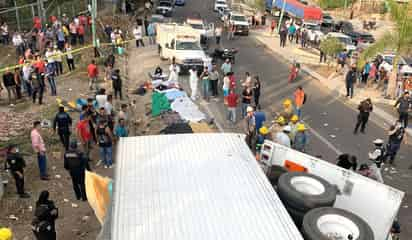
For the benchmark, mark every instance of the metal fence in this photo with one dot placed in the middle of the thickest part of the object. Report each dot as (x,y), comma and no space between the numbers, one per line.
(20,17)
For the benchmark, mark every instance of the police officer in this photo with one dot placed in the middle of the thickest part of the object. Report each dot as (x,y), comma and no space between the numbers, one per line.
(76,163)
(63,122)
(16,164)
(377,156)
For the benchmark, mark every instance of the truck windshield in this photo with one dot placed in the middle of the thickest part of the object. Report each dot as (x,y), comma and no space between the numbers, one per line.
(197,26)
(165,4)
(238,18)
(187,46)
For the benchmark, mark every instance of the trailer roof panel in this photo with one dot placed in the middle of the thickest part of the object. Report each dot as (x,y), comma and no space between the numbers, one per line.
(193,187)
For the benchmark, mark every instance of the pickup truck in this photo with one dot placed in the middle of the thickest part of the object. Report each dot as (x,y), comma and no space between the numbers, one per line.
(241,23)
(182,43)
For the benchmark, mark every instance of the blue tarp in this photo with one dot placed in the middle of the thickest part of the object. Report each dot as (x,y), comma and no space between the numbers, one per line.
(292,8)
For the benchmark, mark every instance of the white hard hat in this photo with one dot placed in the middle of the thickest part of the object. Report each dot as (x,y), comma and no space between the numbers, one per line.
(378,141)
(249,109)
(287,128)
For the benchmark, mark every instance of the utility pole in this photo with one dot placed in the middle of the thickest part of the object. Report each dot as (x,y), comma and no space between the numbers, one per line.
(94,15)
(281,14)
(17,16)
(42,13)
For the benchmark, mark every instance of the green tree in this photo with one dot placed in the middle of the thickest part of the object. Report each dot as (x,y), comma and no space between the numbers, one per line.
(331,47)
(399,40)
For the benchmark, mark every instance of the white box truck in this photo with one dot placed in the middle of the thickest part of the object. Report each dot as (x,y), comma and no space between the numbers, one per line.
(376,203)
(182,43)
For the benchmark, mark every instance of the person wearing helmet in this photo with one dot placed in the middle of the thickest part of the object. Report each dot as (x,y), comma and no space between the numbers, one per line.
(300,138)
(250,128)
(293,124)
(277,125)
(76,163)
(6,234)
(377,156)
(287,111)
(261,137)
(283,136)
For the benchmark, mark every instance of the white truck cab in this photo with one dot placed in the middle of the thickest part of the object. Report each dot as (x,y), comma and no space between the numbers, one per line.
(182,43)
(376,203)
(205,30)
(240,22)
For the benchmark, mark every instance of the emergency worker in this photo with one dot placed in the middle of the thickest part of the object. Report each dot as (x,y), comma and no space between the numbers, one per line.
(63,123)
(45,215)
(76,163)
(16,164)
(377,156)
(287,111)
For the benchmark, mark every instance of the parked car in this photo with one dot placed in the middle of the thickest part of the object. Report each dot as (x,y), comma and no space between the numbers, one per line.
(165,8)
(220,4)
(241,23)
(361,37)
(180,2)
(344,39)
(315,28)
(344,27)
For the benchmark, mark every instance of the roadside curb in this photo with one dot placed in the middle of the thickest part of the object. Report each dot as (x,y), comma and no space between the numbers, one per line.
(387,117)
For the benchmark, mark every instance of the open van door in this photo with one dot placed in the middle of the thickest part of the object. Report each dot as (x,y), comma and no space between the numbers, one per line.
(210,31)
(167,51)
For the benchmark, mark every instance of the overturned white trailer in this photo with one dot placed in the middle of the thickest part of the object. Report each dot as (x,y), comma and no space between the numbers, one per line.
(193,187)
(376,203)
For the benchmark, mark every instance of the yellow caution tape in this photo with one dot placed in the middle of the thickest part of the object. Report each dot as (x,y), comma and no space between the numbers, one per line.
(62,54)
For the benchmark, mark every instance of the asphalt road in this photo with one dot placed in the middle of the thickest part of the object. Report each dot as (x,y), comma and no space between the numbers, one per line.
(331,119)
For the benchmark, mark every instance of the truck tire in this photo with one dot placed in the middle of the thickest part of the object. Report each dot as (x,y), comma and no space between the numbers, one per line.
(274,173)
(322,223)
(304,191)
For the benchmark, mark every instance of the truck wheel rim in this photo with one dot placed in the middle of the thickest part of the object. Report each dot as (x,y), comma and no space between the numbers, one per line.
(337,227)
(307,185)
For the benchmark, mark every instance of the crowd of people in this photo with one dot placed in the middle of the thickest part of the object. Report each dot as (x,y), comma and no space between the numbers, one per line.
(43,54)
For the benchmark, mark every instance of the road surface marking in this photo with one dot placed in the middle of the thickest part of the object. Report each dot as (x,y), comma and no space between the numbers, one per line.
(321,138)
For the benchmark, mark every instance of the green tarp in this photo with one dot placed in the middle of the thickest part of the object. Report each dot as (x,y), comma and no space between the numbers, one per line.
(160,103)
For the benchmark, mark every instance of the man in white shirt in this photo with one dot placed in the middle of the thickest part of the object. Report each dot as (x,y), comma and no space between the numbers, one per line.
(174,71)
(18,43)
(283,137)
(138,35)
(218,34)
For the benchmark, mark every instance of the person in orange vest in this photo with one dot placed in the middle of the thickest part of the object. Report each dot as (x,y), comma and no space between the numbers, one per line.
(300,99)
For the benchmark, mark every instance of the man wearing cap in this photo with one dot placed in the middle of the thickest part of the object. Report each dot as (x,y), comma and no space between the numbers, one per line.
(283,136)
(76,163)
(261,137)
(250,128)
(377,156)
(350,80)
(16,164)
(396,136)
(404,103)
